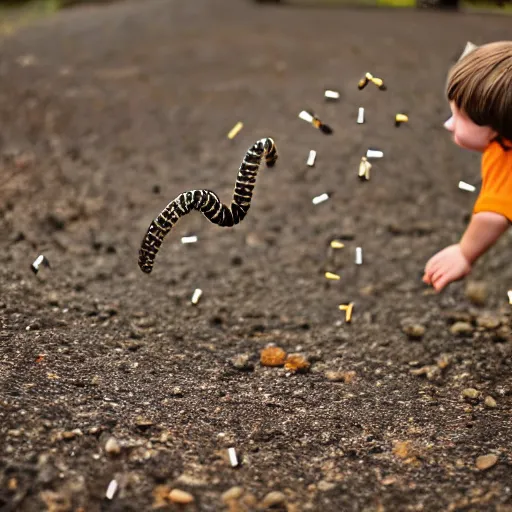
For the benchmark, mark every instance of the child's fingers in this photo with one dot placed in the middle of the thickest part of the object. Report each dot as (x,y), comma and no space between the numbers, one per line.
(441,282)
(426,279)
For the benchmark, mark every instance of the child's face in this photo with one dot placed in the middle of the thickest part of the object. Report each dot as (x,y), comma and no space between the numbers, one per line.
(466,133)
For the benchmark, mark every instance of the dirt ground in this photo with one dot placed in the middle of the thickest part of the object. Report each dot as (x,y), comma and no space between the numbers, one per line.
(108,113)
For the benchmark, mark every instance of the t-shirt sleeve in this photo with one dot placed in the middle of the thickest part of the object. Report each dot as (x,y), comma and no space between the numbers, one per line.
(496,192)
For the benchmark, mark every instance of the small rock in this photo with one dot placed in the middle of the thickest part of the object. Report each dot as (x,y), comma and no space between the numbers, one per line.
(242,362)
(53,299)
(414,331)
(490,402)
(181,497)
(461,328)
(324,485)
(176,391)
(477,292)
(337,376)
(55,502)
(486,461)
(112,447)
(470,393)
(273,499)
(143,423)
(488,321)
(430,371)
(234,493)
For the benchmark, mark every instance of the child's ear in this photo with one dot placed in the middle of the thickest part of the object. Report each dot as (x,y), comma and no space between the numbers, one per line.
(468,49)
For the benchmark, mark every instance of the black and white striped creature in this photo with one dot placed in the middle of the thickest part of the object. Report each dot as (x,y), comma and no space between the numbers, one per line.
(208,203)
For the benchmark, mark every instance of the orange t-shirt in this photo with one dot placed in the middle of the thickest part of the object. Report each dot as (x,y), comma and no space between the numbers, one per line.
(496,192)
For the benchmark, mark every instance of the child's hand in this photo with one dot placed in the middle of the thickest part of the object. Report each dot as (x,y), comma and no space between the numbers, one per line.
(446,266)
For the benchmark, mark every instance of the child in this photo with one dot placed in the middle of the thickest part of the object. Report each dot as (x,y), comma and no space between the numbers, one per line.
(479,89)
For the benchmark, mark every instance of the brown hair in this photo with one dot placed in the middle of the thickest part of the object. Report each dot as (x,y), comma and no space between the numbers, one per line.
(480,84)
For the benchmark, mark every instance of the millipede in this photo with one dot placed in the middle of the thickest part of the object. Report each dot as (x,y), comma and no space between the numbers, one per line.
(208,203)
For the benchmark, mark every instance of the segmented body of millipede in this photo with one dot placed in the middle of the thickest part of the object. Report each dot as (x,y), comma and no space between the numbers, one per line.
(208,203)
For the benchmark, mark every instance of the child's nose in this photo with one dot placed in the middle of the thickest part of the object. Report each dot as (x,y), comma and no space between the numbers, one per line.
(449,124)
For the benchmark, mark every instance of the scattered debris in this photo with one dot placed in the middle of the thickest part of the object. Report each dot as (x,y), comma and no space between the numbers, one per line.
(332,277)
(311,158)
(348,308)
(320,199)
(189,239)
(466,186)
(364,169)
(360,115)
(315,121)
(272,356)
(297,363)
(111,490)
(40,260)
(400,119)
(196,295)
(233,459)
(368,77)
(331,95)
(486,461)
(336,244)
(235,130)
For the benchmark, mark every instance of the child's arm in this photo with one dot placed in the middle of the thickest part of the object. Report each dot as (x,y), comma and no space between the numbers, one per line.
(455,261)
(482,233)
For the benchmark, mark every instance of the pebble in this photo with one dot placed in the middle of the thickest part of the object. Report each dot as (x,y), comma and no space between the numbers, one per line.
(234,493)
(486,461)
(337,376)
(242,362)
(324,485)
(273,498)
(477,292)
(470,393)
(490,402)
(112,447)
(488,321)
(414,331)
(461,328)
(181,497)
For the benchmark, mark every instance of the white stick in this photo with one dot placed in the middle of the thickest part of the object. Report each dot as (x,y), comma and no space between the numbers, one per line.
(111,489)
(332,95)
(509,293)
(320,199)
(360,116)
(374,153)
(196,295)
(189,239)
(466,186)
(311,158)
(359,256)
(232,457)
(306,116)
